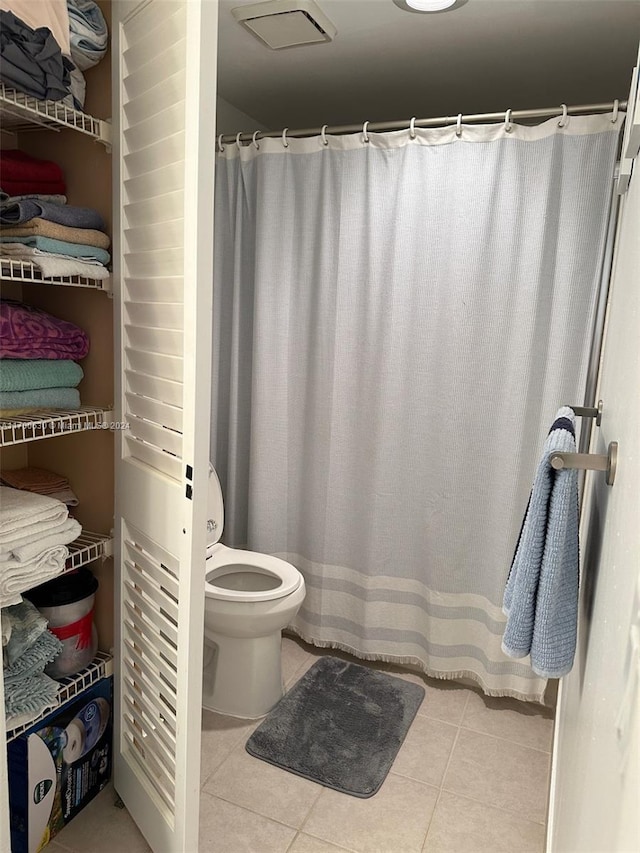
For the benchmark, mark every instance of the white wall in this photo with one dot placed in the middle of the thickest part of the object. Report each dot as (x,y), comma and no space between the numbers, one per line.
(595,798)
(230,119)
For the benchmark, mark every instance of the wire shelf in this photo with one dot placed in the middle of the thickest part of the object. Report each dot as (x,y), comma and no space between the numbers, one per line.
(100,667)
(87,548)
(28,273)
(21,112)
(47,424)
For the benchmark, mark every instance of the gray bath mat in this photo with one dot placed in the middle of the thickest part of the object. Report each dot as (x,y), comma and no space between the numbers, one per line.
(341,725)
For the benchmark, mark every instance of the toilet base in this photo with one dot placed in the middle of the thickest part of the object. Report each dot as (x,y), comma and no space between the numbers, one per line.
(242,675)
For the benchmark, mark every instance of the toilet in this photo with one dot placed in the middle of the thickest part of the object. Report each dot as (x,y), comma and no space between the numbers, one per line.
(249,599)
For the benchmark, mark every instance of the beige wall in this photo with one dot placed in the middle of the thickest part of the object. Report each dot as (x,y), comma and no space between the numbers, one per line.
(595,803)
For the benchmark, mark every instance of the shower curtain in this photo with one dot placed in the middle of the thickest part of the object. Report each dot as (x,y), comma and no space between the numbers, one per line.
(396,322)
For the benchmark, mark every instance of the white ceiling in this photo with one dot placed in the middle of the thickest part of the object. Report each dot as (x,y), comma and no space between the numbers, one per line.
(385,63)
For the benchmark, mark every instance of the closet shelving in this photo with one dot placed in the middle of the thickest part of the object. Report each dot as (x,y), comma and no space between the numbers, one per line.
(100,667)
(21,113)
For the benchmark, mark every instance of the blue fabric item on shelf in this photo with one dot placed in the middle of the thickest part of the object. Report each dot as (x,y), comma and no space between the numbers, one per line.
(32,61)
(40,398)
(16,212)
(61,247)
(541,595)
(31,662)
(88,33)
(28,374)
(22,624)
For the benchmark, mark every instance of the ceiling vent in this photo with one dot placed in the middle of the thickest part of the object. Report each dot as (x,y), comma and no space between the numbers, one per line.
(286,23)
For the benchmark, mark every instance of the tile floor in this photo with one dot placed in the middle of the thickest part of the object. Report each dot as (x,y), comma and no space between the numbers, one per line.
(471,777)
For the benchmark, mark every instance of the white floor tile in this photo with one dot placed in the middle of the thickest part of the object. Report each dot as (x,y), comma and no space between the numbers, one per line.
(522,722)
(226,828)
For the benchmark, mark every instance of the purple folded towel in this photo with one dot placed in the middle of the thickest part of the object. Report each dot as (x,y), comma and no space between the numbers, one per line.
(28,332)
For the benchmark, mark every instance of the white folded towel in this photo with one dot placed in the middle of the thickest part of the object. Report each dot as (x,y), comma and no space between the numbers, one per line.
(23,513)
(31,547)
(16,577)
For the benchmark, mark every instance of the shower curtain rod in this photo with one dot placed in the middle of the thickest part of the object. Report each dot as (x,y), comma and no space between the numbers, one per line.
(545,112)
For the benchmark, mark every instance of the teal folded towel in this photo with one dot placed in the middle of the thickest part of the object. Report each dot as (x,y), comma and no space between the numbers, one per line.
(32,662)
(24,624)
(41,398)
(17,374)
(31,695)
(61,247)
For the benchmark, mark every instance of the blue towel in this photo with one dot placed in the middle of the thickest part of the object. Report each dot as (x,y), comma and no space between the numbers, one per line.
(17,212)
(40,398)
(25,625)
(541,595)
(29,374)
(61,247)
(33,661)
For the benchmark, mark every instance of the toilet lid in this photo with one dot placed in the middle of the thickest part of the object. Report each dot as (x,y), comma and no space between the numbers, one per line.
(215,508)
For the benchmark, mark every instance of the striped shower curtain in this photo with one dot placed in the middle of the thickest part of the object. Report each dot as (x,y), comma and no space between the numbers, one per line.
(395,323)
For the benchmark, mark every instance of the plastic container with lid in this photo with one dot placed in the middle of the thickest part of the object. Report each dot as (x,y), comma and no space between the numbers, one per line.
(68,603)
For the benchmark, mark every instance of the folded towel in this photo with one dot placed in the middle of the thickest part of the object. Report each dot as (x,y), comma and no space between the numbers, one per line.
(53,265)
(7,414)
(41,399)
(28,374)
(28,332)
(31,547)
(55,231)
(66,496)
(21,174)
(5,198)
(16,577)
(88,33)
(25,623)
(15,212)
(39,480)
(541,595)
(27,699)
(60,247)
(22,512)
(45,649)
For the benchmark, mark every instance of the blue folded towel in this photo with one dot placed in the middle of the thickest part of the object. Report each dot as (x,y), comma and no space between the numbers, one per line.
(33,661)
(31,695)
(28,374)
(24,624)
(541,595)
(61,247)
(40,398)
(17,212)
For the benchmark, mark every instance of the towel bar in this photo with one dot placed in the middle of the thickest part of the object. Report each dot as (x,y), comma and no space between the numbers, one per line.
(586,412)
(589,461)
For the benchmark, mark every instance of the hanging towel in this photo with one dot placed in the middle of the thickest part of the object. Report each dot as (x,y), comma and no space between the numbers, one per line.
(16,577)
(16,211)
(29,374)
(56,231)
(28,332)
(61,247)
(541,595)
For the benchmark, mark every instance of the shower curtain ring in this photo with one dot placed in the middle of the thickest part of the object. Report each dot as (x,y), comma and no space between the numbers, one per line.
(616,106)
(238,143)
(253,138)
(284,137)
(508,127)
(565,113)
(412,128)
(365,135)
(323,132)
(459,125)
(220,145)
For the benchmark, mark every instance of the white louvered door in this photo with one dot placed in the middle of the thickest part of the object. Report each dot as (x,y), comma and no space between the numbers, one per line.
(164,134)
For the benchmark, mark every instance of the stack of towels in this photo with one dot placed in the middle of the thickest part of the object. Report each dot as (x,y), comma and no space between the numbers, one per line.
(36,224)
(34,532)
(38,355)
(42,482)
(27,647)
(45,46)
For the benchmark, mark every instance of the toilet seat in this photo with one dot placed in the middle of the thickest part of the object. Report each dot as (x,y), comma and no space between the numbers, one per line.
(223,561)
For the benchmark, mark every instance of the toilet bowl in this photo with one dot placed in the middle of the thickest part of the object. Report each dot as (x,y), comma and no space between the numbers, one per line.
(249,598)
